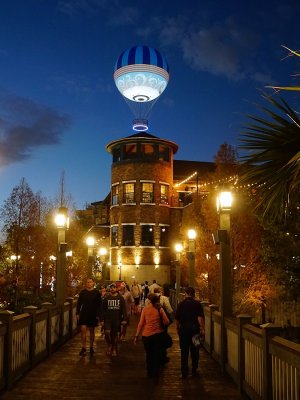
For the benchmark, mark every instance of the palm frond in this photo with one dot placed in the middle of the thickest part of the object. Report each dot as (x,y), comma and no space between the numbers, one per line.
(272,156)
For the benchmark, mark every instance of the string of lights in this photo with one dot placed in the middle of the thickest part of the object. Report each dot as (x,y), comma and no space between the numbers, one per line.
(232,179)
(186,180)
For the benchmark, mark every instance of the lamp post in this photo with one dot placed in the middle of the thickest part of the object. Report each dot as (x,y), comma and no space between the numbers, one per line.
(102,254)
(191,257)
(90,241)
(224,204)
(120,270)
(178,250)
(62,223)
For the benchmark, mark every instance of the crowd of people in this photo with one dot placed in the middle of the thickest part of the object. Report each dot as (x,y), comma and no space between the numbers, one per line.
(112,306)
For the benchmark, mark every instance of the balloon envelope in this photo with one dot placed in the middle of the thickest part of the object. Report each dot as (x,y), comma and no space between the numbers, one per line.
(141,74)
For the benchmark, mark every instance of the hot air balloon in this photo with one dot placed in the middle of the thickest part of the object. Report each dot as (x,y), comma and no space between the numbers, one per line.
(141,74)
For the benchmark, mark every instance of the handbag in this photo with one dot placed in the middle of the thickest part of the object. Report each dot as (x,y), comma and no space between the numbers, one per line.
(198,340)
(167,338)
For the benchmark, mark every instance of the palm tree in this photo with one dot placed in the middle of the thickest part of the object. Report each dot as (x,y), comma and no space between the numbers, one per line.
(271,161)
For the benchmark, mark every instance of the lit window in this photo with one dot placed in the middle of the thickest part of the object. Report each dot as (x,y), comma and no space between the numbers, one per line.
(147,192)
(115,194)
(147,238)
(128,193)
(164,194)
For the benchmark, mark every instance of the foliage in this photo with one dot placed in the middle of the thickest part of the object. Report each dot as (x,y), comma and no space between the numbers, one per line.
(271,162)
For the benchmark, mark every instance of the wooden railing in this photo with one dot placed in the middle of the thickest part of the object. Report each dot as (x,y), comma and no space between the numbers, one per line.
(28,338)
(264,365)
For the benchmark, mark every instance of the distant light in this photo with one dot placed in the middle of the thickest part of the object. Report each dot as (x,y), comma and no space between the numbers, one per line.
(178,247)
(191,234)
(102,251)
(90,241)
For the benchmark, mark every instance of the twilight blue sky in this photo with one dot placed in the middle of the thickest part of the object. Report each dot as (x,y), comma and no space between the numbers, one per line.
(59,106)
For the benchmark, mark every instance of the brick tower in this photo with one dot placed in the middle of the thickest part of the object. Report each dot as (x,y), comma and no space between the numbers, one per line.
(141,197)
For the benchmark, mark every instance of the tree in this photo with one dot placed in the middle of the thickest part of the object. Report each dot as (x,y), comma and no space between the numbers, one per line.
(27,241)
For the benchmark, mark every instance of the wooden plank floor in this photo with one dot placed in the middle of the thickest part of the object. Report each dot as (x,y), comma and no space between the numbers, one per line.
(66,376)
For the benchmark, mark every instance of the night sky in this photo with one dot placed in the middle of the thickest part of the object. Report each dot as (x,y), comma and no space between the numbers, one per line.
(59,106)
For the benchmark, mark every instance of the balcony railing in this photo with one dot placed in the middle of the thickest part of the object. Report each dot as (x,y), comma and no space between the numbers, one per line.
(28,338)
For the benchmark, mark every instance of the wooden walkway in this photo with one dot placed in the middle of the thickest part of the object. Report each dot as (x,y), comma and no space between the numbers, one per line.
(66,376)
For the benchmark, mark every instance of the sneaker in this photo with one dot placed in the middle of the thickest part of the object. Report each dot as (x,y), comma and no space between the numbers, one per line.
(92,351)
(82,352)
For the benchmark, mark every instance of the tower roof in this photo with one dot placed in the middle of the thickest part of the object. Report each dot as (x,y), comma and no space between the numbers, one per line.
(142,137)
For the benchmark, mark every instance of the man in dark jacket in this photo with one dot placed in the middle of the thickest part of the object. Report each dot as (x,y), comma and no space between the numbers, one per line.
(190,321)
(88,313)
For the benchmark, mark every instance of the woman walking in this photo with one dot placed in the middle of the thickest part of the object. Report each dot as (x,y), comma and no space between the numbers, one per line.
(151,325)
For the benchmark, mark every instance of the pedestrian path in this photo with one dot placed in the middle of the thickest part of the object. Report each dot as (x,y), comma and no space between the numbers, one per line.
(66,376)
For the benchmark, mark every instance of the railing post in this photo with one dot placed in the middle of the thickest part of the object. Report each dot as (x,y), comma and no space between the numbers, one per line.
(48,306)
(204,304)
(32,311)
(212,307)
(241,321)
(71,301)
(267,333)
(7,318)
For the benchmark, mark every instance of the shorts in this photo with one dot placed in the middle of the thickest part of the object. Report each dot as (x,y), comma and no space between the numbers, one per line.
(112,326)
(90,322)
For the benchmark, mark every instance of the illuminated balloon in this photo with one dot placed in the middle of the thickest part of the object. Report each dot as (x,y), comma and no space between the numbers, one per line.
(141,75)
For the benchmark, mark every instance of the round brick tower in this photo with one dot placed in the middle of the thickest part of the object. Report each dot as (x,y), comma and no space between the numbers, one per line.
(141,196)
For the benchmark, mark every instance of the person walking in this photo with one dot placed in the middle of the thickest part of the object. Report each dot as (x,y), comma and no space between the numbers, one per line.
(114,315)
(189,321)
(150,325)
(154,285)
(88,313)
(165,303)
(136,291)
(125,292)
(145,292)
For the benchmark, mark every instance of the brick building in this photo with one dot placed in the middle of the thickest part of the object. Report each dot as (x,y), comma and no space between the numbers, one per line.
(149,193)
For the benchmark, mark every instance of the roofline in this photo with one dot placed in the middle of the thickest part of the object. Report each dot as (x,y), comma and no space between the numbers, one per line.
(112,144)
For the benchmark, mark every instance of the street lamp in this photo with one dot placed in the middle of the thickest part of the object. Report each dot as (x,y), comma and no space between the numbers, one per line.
(90,241)
(191,257)
(178,250)
(224,204)
(62,223)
